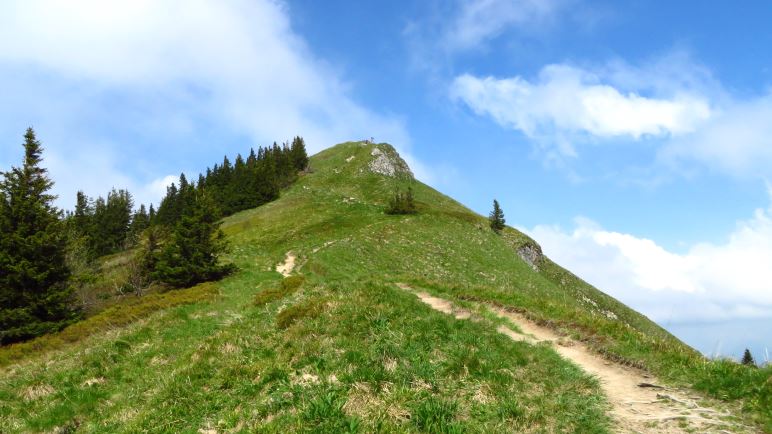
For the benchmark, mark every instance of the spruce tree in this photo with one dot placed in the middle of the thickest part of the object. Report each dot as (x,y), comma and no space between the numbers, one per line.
(496,217)
(748,358)
(151,215)
(139,222)
(111,222)
(83,215)
(168,210)
(298,153)
(193,251)
(34,292)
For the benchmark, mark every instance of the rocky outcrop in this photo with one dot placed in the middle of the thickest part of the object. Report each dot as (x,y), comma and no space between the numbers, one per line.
(386,161)
(531,254)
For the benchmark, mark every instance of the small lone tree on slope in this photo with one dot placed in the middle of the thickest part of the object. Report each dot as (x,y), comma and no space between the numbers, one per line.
(497,217)
(748,358)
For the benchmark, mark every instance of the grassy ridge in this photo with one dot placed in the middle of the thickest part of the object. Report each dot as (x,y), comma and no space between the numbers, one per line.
(341,349)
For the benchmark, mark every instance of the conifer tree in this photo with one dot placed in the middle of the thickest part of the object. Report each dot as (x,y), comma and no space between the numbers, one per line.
(298,153)
(151,214)
(111,222)
(34,292)
(193,251)
(139,222)
(168,210)
(84,212)
(748,358)
(496,218)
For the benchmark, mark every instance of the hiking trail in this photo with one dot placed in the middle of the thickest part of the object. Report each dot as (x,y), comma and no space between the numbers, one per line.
(639,403)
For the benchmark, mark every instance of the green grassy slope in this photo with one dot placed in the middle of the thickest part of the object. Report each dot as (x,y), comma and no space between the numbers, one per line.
(342,349)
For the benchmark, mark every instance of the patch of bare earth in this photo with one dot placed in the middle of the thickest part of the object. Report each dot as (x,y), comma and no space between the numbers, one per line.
(289,264)
(638,403)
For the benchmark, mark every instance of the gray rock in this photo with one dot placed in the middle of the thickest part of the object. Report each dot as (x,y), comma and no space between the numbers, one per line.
(387,162)
(531,254)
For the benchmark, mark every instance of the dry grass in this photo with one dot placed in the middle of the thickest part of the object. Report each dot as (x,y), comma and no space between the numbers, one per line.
(36,392)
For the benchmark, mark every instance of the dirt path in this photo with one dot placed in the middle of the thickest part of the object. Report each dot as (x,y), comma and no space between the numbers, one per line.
(289,264)
(635,407)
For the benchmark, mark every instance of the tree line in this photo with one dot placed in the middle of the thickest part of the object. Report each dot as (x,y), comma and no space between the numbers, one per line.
(178,245)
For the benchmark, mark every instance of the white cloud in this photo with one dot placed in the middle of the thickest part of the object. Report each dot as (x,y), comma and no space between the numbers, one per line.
(709,282)
(164,79)
(572,100)
(478,21)
(672,105)
(737,141)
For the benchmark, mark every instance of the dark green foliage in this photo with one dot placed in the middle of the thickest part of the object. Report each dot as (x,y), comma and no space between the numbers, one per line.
(243,184)
(748,358)
(34,292)
(298,153)
(496,218)
(169,209)
(111,223)
(106,226)
(192,253)
(139,222)
(402,203)
(81,218)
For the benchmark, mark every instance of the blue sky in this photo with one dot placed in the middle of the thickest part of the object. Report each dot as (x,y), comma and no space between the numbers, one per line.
(631,139)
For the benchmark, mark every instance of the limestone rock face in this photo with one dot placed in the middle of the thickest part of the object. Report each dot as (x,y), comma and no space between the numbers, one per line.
(531,254)
(386,161)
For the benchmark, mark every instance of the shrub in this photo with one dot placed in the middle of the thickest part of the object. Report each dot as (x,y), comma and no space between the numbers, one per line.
(121,314)
(402,203)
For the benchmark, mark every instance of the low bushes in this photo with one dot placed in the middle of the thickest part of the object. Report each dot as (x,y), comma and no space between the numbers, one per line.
(118,315)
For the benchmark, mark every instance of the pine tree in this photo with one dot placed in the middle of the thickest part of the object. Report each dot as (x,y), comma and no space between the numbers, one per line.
(111,222)
(168,210)
(151,215)
(298,153)
(496,218)
(34,292)
(193,252)
(139,222)
(83,214)
(748,358)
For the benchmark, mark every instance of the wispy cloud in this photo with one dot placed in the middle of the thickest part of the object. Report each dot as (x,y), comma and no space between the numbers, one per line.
(172,82)
(670,104)
(709,282)
(471,26)
(736,141)
(479,21)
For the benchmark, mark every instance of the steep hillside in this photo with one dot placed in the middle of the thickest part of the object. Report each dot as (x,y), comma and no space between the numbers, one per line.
(344,336)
